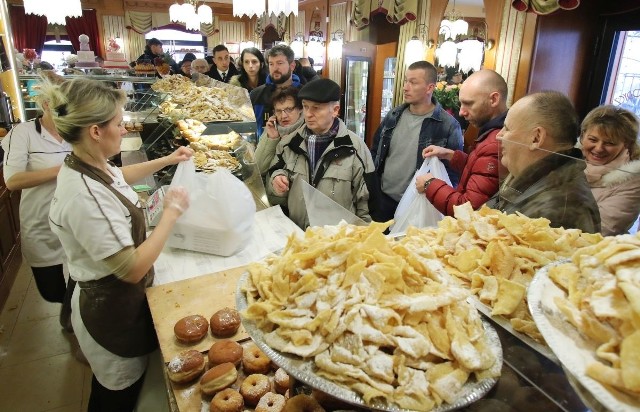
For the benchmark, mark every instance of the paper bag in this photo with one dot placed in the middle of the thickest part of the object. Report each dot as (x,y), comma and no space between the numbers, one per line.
(220,215)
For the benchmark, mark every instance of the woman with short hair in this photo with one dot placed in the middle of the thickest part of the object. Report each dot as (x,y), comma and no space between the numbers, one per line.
(609,139)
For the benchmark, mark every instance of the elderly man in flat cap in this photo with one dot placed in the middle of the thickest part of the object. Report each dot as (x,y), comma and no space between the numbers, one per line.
(325,154)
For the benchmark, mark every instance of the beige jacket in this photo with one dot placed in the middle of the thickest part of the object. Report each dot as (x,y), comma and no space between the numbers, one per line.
(344,174)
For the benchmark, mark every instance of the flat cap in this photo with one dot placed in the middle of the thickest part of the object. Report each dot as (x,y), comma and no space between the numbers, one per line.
(320,91)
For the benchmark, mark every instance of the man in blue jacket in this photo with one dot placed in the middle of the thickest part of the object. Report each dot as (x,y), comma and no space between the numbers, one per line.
(281,64)
(405,131)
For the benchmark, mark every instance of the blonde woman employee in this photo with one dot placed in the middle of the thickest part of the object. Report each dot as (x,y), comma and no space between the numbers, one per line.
(98,218)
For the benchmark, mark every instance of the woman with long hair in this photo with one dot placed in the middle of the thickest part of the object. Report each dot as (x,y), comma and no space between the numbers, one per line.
(252,69)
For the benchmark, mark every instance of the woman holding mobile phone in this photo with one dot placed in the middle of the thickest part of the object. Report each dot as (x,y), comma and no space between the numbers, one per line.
(288,117)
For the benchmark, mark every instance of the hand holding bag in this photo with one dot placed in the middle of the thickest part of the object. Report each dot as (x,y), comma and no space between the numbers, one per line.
(414,208)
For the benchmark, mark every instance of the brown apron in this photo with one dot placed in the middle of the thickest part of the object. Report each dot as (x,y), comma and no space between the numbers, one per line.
(116,313)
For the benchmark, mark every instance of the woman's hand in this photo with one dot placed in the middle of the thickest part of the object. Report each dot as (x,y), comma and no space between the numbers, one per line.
(182,153)
(176,200)
(420,181)
(272,130)
(439,152)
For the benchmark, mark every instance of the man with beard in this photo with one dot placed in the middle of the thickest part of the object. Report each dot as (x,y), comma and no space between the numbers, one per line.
(281,64)
(483,103)
(405,131)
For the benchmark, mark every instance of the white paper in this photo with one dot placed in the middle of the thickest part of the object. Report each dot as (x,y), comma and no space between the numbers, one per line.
(270,232)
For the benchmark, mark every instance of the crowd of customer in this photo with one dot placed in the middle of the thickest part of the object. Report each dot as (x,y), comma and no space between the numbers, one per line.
(534,158)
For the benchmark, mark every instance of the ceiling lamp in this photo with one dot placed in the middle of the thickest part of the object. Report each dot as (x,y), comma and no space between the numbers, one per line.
(453,25)
(414,49)
(471,55)
(190,14)
(447,54)
(252,8)
(55,12)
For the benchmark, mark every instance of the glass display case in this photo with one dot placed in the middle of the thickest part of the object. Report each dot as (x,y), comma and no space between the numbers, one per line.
(388,82)
(355,97)
(141,96)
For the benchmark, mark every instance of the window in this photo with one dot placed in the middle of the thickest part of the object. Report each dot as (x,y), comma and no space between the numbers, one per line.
(55,51)
(178,43)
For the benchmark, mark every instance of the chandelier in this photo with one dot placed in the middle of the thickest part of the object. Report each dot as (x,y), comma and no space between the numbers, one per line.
(190,14)
(453,24)
(252,8)
(55,12)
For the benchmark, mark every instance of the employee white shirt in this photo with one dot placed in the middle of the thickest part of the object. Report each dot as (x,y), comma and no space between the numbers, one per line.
(30,147)
(93,224)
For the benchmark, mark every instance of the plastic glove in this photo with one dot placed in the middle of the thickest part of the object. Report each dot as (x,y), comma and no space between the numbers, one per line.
(176,198)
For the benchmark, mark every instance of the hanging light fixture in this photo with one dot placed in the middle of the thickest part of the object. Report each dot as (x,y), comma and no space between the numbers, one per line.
(191,14)
(414,50)
(252,8)
(55,12)
(335,45)
(471,55)
(454,23)
(447,54)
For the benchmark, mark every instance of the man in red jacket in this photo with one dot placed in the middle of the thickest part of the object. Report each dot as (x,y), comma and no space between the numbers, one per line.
(483,103)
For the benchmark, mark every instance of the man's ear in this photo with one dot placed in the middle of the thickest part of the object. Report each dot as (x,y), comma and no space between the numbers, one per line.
(538,138)
(494,99)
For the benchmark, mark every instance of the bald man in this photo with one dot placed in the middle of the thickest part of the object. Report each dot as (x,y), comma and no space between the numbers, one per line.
(546,172)
(483,103)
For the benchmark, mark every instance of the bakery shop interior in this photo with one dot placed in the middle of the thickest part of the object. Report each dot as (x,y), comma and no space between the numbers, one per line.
(319,205)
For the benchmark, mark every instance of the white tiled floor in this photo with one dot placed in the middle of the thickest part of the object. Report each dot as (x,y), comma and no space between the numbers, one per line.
(37,369)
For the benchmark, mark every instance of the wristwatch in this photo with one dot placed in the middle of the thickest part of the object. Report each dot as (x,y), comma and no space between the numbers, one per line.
(427,183)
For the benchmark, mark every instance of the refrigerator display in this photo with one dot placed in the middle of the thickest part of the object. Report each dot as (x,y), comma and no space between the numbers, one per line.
(388,82)
(356,88)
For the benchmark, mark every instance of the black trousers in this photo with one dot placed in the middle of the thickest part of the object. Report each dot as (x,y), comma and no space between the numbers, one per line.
(386,208)
(52,288)
(106,400)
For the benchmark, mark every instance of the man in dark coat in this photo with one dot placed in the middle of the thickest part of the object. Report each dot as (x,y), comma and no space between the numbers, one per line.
(222,69)
(546,172)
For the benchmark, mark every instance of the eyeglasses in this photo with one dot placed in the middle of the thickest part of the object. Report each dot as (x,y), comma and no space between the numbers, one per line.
(287,110)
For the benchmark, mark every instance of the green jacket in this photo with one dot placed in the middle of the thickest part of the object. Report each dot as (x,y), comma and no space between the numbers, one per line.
(344,173)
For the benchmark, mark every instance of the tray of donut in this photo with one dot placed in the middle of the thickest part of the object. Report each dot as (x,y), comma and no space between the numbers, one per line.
(234,376)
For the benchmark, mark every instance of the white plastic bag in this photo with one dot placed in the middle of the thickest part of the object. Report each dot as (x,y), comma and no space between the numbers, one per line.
(220,215)
(414,208)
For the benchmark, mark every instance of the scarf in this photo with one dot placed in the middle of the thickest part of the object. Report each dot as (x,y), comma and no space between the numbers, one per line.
(318,143)
(595,173)
(285,130)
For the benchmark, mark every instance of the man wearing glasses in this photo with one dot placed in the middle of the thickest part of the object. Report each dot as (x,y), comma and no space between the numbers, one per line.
(281,65)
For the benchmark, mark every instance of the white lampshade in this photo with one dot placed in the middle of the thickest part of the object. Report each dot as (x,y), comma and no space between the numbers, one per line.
(175,13)
(188,10)
(55,12)
(335,49)
(470,56)
(413,51)
(282,6)
(447,54)
(446,29)
(205,14)
(249,8)
(460,28)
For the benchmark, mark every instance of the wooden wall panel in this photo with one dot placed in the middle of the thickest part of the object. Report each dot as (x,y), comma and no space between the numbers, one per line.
(563,52)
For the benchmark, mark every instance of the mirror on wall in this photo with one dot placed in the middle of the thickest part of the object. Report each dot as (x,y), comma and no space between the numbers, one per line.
(461,41)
